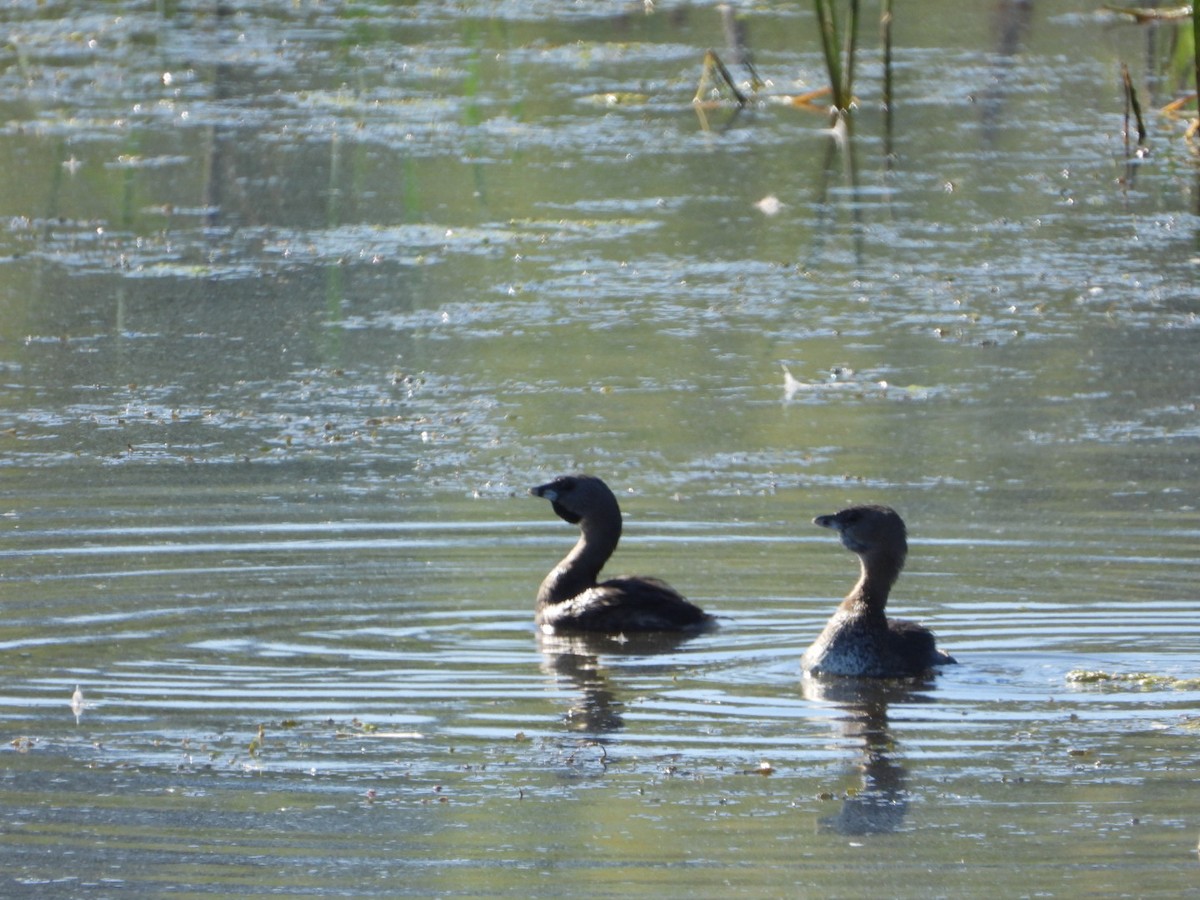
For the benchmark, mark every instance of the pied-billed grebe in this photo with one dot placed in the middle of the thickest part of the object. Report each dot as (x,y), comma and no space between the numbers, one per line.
(860,639)
(570,597)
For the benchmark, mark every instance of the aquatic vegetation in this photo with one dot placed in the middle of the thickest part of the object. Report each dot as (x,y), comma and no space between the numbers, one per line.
(1132,106)
(1183,62)
(839,49)
(1153,14)
(1148,680)
(717,85)
(715,70)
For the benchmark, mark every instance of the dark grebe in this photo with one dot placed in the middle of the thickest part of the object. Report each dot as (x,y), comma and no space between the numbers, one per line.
(860,639)
(570,597)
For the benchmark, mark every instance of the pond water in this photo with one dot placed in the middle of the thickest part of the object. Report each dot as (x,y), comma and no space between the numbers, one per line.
(298,299)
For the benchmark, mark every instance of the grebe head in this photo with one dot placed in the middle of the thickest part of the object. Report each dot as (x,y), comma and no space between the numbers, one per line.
(868,530)
(577,497)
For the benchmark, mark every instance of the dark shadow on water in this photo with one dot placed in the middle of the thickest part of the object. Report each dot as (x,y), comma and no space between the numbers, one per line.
(578,659)
(881,804)
(1012,20)
(219,166)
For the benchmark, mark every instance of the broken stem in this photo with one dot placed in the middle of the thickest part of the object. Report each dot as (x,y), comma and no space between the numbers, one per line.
(1131,103)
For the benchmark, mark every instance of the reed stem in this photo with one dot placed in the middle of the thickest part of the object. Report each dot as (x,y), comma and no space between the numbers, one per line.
(1132,104)
(851,53)
(1196,53)
(840,51)
(831,45)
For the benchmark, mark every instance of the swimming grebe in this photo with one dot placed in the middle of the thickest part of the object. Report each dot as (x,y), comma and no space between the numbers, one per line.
(860,639)
(570,598)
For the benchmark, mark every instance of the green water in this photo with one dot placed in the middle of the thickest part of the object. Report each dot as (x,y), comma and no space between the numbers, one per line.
(297,301)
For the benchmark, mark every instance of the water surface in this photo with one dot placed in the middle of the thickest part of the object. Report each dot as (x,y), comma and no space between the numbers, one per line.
(298,301)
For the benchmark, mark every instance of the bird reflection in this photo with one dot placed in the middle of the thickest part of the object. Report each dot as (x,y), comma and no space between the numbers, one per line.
(882,802)
(576,657)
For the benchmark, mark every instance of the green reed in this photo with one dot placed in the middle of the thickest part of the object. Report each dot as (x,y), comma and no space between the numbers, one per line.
(839,49)
(1196,52)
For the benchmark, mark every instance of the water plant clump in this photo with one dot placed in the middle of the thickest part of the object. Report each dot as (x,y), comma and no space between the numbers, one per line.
(1139,679)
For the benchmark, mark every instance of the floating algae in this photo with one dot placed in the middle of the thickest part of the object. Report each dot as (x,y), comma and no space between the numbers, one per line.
(1139,679)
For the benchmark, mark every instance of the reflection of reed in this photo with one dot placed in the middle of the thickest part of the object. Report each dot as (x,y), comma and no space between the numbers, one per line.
(885,41)
(882,803)
(576,657)
(737,43)
(737,51)
(1012,25)
(839,147)
(214,158)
